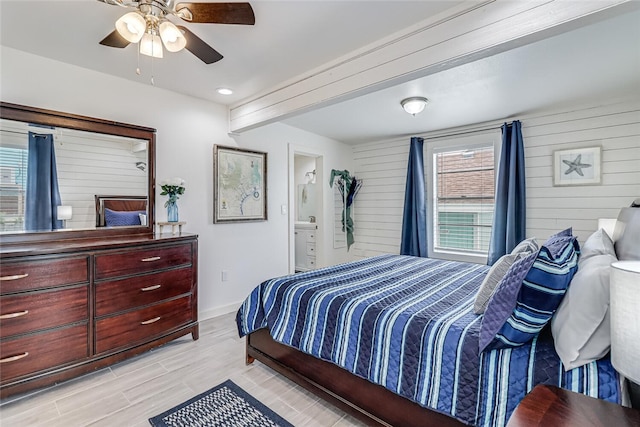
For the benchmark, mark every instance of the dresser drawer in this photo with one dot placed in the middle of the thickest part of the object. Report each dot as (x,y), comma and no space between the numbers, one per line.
(34,274)
(129,329)
(125,294)
(141,261)
(42,351)
(32,311)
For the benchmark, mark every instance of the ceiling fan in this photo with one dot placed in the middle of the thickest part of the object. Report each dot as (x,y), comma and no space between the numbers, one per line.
(148,24)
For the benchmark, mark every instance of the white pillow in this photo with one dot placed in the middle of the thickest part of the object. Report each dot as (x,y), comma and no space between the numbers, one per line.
(599,243)
(580,326)
(627,234)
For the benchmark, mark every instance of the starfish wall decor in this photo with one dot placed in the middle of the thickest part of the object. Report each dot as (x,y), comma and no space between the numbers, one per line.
(577,166)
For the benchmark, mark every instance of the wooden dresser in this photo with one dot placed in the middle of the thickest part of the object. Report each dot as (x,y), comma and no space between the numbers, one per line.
(70,307)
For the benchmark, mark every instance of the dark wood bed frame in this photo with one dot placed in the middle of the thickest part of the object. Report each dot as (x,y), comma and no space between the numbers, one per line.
(118,203)
(370,403)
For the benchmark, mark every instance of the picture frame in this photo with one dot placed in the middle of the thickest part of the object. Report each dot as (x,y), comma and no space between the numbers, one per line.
(240,185)
(577,166)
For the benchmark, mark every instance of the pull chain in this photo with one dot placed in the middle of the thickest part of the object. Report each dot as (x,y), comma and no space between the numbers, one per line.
(153,45)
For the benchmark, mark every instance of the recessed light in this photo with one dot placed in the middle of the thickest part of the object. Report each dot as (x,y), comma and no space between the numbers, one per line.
(224,91)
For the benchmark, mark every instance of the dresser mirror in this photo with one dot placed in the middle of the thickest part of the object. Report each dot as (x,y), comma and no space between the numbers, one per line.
(84,167)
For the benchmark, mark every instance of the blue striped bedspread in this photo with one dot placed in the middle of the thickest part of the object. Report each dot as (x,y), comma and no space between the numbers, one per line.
(407,324)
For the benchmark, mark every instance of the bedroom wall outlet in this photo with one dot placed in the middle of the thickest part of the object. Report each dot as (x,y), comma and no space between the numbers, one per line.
(225,275)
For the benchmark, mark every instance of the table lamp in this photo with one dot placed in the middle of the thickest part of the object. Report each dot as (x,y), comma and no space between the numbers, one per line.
(63,213)
(625,323)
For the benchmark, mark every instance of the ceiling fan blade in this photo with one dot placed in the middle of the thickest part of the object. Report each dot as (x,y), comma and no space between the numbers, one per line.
(218,13)
(199,48)
(114,39)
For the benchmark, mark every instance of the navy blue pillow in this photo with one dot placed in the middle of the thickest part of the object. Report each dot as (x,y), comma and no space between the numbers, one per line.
(121,218)
(517,312)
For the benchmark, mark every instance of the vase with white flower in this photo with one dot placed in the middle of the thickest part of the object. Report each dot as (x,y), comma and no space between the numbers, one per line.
(173,188)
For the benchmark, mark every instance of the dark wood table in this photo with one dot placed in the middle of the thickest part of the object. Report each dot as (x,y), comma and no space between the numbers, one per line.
(550,406)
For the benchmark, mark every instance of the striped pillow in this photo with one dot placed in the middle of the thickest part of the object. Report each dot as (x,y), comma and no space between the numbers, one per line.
(493,279)
(537,297)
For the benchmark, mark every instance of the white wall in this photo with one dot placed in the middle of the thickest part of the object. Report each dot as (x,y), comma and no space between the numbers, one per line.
(335,155)
(378,208)
(89,166)
(187,129)
(615,126)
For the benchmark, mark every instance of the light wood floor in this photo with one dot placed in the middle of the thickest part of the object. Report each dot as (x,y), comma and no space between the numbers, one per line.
(130,392)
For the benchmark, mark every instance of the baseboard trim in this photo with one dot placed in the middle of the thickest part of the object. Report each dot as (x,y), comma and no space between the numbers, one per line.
(219,311)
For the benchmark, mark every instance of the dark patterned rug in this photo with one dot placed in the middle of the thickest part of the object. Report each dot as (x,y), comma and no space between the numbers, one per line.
(223,406)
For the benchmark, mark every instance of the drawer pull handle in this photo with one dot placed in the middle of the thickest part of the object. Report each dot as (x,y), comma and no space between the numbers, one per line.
(14,358)
(150,288)
(153,258)
(16,277)
(150,321)
(12,315)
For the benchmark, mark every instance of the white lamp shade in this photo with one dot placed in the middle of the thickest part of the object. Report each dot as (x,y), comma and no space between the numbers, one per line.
(172,37)
(625,318)
(131,26)
(151,45)
(64,212)
(608,225)
(414,105)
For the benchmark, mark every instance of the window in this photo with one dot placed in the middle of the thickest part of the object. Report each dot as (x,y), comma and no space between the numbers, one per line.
(13,183)
(463,196)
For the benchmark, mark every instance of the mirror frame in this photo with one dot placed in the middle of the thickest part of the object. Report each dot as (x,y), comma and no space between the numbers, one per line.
(53,118)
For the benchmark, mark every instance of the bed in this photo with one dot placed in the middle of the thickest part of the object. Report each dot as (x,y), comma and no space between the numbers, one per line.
(118,211)
(394,340)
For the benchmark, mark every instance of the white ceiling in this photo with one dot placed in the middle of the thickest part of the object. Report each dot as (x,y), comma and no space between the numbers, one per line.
(289,38)
(601,60)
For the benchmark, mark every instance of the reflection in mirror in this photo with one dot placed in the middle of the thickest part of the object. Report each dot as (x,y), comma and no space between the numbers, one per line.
(307,202)
(86,164)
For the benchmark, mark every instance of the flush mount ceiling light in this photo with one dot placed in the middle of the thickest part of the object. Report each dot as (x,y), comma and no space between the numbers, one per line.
(414,105)
(224,91)
(148,24)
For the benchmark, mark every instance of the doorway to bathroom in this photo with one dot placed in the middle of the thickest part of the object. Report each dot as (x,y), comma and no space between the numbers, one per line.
(306,210)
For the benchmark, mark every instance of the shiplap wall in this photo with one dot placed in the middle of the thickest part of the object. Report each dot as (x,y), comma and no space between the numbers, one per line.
(88,164)
(614,127)
(96,164)
(378,206)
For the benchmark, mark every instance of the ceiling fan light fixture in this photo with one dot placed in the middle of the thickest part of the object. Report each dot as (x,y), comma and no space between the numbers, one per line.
(131,26)
(172,37)
(414,105)
(151,45)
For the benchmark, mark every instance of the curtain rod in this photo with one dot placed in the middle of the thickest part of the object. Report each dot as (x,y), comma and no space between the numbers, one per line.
(461,132)
(27,133)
